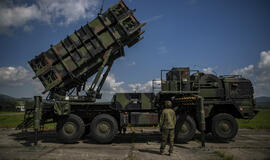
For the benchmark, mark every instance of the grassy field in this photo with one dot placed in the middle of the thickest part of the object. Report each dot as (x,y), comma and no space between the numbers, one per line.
(260,121)
(12,119)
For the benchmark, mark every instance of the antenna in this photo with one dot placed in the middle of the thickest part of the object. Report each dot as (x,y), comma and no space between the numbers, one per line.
(101,8)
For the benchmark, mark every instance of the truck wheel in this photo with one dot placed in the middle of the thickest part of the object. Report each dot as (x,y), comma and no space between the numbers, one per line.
(70,129)
(104,128)
(224,126)
(186,131)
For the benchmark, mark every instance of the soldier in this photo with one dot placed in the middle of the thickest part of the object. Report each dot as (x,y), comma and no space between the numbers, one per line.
(167,125)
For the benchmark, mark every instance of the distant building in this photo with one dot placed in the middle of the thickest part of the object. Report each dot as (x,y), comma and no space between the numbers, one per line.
(20,106)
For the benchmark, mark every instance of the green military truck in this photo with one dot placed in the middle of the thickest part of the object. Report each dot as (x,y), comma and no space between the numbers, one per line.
(201,101)
(225,98)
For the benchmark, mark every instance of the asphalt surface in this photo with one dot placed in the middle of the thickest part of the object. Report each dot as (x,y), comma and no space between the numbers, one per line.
(143,144)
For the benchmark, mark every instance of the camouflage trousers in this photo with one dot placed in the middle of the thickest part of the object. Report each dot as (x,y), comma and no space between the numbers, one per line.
(167,134)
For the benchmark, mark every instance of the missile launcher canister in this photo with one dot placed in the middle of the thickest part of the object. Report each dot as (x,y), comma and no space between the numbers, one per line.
(69,63)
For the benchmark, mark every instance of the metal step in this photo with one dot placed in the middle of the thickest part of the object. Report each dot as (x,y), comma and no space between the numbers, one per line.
(28,120)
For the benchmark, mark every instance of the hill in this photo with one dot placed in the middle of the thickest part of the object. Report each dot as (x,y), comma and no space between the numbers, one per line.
(7,103)
(262,102)
(262,99)
(4,97)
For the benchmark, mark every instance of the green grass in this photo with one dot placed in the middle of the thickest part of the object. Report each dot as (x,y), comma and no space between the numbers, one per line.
(260,121)
(12,119)
(11,113)
(50,126)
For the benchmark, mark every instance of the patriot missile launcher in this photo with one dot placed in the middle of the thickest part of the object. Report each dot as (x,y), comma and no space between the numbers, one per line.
(201,101)
(86,52)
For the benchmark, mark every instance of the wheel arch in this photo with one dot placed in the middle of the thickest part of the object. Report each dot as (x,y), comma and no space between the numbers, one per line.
(225,108)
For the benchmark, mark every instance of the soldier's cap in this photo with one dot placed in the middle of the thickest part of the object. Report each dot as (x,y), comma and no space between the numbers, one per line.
(168,104)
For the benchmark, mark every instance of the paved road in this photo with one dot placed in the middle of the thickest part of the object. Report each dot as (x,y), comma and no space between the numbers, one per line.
(143,144)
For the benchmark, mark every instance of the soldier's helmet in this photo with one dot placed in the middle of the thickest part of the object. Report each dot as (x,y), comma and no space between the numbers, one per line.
(168,104)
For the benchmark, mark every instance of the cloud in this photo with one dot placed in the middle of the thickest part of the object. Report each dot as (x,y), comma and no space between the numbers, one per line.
(139,87)
(246,71)
(17,77)
(14,76)
(208,70)
(67,11)
(265,60)
(62,12)
(14,16)
(38,87)
(112,86)
(260,75)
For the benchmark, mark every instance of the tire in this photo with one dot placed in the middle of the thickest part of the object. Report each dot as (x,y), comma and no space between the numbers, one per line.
(185,131)
(224,126)
(104,128)
(70,129)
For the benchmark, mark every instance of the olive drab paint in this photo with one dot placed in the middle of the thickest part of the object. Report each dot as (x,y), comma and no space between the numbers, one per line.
(141,105)
(134,101)
(232,93)
(73,60)
(61,108)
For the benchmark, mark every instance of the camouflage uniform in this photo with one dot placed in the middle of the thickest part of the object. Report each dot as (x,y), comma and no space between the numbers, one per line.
(167,125)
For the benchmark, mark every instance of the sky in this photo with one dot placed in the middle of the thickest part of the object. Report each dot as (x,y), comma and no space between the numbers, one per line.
(214,36)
